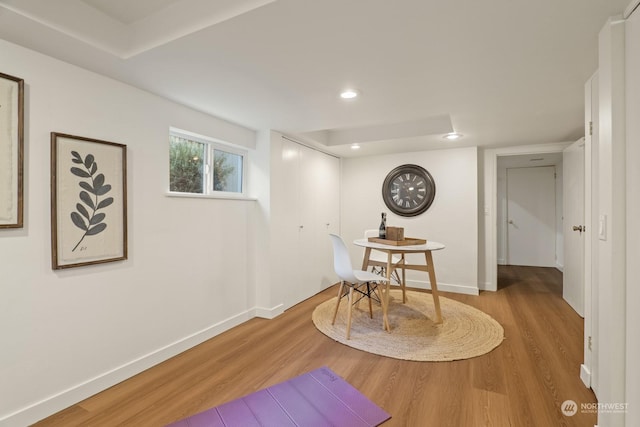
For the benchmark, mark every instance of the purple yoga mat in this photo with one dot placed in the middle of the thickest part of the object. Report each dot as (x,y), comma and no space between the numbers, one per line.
(316,399)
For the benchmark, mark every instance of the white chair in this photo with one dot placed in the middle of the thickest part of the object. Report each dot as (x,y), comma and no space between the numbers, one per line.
(378,263)
(363,282)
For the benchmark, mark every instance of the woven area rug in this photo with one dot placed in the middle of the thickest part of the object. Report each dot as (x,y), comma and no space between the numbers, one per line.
(465,332)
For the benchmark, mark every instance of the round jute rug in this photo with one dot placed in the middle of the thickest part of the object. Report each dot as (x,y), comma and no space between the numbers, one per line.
(464,333)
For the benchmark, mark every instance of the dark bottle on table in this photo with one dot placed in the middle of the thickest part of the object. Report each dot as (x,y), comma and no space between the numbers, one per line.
(382,231)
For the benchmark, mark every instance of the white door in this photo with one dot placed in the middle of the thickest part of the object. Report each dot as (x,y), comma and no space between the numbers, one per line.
(290,214)
(306,259)
(573,225)
(328,214)
(311,196)
(531,216)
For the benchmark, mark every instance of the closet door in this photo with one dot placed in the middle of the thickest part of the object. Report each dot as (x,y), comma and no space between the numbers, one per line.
(328,215)
(310,194)
(308,269)
(286,234)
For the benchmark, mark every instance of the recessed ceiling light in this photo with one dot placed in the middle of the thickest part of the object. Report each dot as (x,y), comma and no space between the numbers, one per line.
(355,146)
(452,136)
(349,94)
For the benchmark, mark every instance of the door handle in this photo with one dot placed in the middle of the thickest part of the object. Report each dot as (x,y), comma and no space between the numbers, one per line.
(578,228)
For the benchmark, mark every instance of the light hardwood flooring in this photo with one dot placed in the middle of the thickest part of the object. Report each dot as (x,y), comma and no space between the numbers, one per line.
(523,382)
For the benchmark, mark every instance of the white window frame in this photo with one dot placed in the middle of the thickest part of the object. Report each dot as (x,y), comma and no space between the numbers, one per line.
(211,145)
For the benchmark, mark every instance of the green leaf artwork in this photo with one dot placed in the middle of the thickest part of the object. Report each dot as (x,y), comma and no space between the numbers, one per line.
(86,216)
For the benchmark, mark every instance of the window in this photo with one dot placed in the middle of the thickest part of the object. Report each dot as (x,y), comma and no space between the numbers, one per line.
(201,165)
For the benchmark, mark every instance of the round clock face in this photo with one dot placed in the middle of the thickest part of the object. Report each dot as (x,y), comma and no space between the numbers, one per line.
(408,190)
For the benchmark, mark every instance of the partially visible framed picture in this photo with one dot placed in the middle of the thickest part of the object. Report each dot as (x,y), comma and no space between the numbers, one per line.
(88,201)
(11,151)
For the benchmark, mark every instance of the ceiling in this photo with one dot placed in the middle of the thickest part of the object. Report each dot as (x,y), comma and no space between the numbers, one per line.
(500,72)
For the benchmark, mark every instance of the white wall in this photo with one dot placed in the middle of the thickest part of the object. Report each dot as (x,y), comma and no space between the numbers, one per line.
(632,93)
(68,334)
(259,229)
(452,218)
(610,250)
(501,213)
(482,226)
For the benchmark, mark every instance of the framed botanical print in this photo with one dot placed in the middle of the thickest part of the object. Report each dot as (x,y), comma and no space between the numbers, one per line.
(11,151)
(88,201)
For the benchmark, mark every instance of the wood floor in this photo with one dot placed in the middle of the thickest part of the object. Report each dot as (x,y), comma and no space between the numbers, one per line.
(523,382)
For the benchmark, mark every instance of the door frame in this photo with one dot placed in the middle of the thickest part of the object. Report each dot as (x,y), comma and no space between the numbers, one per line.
(490,208)
(589,368)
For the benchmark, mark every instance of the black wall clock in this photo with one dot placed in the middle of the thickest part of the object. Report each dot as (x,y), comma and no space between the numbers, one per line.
(408,190)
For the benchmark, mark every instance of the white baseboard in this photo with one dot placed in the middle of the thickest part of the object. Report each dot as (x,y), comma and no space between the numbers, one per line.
(269,313)
(46,407)
(560,267)
(485,286)
(502,261)
(445,287)
(585,375)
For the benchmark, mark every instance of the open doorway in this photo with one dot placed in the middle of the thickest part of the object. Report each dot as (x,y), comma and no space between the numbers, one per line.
(529,210)
(488,271)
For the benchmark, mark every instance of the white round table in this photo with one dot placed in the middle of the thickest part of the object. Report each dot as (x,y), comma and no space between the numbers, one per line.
(389,266)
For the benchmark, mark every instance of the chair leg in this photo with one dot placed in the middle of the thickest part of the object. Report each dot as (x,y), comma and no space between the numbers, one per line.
(403,285)
(357,302)
(335,313)
(369,298)
(376,291)
(350,309)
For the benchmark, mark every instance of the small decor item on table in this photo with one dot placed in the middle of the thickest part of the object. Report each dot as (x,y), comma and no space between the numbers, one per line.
(407,241)
(382,231)
(395,233)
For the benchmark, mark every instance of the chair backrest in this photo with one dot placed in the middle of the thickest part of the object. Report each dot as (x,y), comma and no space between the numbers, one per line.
(374,232)
(341,260)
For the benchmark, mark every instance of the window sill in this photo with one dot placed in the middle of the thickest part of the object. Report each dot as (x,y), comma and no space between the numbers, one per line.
(210,196)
